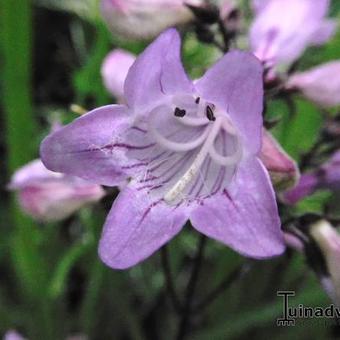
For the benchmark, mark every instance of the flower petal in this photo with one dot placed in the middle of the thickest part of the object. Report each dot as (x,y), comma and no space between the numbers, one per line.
(245,217)
(136,227)
(157,72)
(235,84)
(82,148)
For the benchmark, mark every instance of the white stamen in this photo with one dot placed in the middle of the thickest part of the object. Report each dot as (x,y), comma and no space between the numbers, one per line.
(227,160)
(175,146)
(193,121)
(178,188)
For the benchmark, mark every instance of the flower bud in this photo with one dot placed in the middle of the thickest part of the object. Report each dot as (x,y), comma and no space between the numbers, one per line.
(145,19)
(325,177)
(50,196)
(230,16)
(13,335)
(328,240)
(320,84)
(306,187)
(282,168)
(114,71)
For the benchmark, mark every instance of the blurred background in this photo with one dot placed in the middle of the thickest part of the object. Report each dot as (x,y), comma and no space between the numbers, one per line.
(52,283)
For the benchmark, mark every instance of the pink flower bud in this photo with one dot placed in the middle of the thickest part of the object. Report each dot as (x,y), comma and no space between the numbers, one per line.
(143,19)
(51,196)
(282,168)
(114,71)
(320,84)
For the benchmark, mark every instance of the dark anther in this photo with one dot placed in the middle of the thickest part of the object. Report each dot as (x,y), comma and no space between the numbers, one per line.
(197,101)
(179,112)
(210,114)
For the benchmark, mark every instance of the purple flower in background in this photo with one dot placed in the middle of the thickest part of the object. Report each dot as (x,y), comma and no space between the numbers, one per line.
(189,151)
(114,71)
(259,5)
(320,84)
(326,177)
(328,240)
(50,196)
(13,335)
(282,29)
(143,19)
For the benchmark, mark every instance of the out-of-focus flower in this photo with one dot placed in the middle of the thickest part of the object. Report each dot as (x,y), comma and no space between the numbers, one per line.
(326,177)
(259,5)
(320,84)
(283,170)
(230,15)
(78,337)
(306,187)
(114,71)
(282,29)
(190,150)
(50,196)
(13,335)
(320,242)
(143,19)
(328,240)
(293,241)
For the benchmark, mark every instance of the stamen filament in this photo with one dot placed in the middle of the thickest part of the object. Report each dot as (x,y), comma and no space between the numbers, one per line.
(175,146)
(178,188)
(227,160)
(193,121)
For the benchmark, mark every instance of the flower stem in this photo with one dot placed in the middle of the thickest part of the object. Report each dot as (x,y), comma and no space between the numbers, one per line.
(190,291)
(169,280)
(235,275)
(225,35)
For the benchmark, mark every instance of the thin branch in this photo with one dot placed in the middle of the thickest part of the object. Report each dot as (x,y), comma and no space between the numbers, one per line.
(190,291)
(225,34)
(169,280)
(232,277)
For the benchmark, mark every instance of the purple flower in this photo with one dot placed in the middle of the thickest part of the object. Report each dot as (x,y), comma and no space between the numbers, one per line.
(320,84)
(282,29)
(114,71)
(143,19)
(325,177)
(259,5)
(50,196)
(189,150)
(13,335)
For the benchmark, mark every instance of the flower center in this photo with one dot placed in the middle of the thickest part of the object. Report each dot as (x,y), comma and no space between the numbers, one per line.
(211,122)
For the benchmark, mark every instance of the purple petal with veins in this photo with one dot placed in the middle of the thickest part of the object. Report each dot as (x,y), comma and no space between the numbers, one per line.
(181,146)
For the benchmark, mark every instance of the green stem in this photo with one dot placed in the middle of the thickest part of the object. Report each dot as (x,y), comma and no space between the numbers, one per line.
(16,48)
